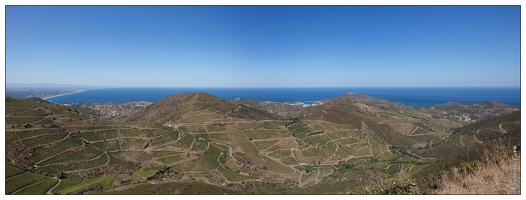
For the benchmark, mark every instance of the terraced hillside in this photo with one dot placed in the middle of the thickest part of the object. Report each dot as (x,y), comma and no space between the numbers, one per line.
(229,147)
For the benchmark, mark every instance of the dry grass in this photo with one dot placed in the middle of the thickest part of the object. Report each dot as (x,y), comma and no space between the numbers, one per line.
(499,173)
(401,184)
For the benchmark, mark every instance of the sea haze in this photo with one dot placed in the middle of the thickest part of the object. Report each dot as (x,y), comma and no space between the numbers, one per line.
(407,96)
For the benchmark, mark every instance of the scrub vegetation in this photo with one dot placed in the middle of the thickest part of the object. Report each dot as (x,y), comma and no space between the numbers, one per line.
(350,144)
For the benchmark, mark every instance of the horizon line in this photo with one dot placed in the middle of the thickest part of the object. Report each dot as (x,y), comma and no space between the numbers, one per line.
(219,87)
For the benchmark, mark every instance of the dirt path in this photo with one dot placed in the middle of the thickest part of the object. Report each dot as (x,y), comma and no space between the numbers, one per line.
(408,170)
(158,146)
(312,179)
(46,117)
(387,147)
(292,154)
(271,139)
(20,189)
(67,126)
(422,157)
(35,136)
(337,146)
(12,177)
(342,138)
(106,140)
(454,143)
(241,121)
(502,130)
(414,130)
(480,142)
(450,132)
(107,162)
(420,134)
(192,145)
(404,129)
(300,184)
(226,114)
(167,156)
(53,143)
(18,113)
(318,178)
(206,129)
(120,141)
(258,153)
(55,186)
(179,134)
(51,156)
(77,161)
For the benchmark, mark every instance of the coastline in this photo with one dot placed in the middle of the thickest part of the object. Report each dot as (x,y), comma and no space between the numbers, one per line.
(58,95)
(303,96)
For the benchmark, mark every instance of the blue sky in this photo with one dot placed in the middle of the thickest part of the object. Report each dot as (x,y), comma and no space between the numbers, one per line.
(264,46)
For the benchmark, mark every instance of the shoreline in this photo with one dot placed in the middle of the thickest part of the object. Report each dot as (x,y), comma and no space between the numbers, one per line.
(410,97)
(64,94)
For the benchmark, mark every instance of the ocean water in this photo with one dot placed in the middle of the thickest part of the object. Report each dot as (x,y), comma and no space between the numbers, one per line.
(407,96)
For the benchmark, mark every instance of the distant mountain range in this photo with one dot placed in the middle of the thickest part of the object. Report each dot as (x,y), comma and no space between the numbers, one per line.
(41,90)
(44,85)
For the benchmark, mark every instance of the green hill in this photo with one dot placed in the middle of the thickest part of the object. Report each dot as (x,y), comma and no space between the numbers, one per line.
(37,100)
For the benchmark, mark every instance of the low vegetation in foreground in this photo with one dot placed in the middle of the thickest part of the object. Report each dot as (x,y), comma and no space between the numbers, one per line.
(496,171)
(195,143)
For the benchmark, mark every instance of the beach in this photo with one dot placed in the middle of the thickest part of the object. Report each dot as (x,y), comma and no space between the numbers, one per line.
(63,94)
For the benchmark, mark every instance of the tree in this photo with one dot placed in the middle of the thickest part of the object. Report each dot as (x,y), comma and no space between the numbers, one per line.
(62,175)
(163,169)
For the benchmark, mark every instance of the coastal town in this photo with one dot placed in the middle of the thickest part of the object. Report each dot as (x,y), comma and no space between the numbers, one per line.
(108,110)
(304,104)
(465,118)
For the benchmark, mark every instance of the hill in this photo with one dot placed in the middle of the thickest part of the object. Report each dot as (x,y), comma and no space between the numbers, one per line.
(175,107)
(37,100)
(283,110)
(363,98)
(192,139)
(465,146)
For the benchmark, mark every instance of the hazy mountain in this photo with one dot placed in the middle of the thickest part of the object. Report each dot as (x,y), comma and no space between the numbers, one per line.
(43,85)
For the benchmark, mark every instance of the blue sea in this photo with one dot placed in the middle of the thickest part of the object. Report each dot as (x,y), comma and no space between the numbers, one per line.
(407,96)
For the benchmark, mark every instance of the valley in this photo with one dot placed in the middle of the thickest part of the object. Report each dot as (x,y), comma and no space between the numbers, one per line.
(196,140)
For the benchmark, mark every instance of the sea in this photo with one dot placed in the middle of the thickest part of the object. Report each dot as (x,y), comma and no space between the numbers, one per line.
(407,96)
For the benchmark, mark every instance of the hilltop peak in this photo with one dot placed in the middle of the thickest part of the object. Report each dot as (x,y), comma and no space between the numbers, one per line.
(172,108)
(37,100)
(362,98)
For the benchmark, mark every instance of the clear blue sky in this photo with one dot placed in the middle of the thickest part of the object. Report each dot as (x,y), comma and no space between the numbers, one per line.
(269,46)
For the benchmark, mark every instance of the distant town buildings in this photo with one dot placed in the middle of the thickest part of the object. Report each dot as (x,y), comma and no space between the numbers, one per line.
(112,109)
(302,104)
(465,118)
